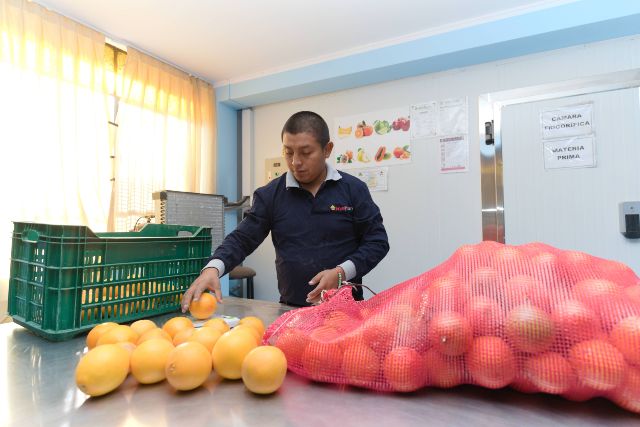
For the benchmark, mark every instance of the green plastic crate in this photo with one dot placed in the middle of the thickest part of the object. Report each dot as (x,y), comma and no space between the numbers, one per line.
(66,279)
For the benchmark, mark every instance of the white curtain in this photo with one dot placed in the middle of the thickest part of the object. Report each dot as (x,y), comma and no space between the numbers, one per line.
(165,139)
(54,158)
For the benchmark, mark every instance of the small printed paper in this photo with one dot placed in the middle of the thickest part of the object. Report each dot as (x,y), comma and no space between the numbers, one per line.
(232,321)
(439,118)
(578,152)
(375,178)
(567,121)
(425,120)
(454,154)
(453,118)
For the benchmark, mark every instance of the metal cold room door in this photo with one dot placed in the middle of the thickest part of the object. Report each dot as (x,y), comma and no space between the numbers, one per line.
(573,208)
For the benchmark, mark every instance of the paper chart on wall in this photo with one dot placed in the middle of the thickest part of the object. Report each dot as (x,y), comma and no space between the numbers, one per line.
(454,154)
(425,120)
(375,178)
(437,118)
(453,118)
(372,139)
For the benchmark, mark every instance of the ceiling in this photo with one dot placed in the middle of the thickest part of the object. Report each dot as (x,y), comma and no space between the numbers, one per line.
(235,40)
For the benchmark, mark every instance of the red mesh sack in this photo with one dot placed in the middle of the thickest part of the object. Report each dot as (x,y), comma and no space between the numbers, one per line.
(531,317)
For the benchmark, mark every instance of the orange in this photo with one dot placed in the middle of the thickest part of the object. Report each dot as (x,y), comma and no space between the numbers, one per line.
(580,394)
(338,319)
(250,330)
(217,323)
(182,336)
(188,366)
(530,329)
(154,333)
(102,369)
(574,321)
(206,336)
(324,334)
(129,346)
(322,360)
(360,364)
(378,332)
(149,359)
(120,333)
(176,324)
(264,369)
(515,291)
(628,394)
(626,337)
(404,369)
(484,315)
(229,353)
(254,322)
(94,335)
(596,292)
(598,364)
(633,293)
(574,260)
(450,333)
(204,307)
(523,384)
(482,282)
(443,371)
(491,362)
(445,292)
(507,256)
(142,326)
(550,373)
(292,342)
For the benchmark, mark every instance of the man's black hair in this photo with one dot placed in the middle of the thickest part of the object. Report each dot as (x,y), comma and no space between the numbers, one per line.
(307,122)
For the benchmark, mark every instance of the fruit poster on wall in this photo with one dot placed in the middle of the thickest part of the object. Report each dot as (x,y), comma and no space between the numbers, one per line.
(373,139)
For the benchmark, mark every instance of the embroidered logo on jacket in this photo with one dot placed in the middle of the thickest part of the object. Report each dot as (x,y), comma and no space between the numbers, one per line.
(335,208)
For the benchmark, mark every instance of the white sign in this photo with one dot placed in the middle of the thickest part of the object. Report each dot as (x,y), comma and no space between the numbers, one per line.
(454,154)
(567,121)
(375,178)
(425,120)
(570,153)
(453,118)
(436,118)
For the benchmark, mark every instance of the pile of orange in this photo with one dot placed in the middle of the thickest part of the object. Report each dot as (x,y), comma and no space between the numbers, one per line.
(180,353)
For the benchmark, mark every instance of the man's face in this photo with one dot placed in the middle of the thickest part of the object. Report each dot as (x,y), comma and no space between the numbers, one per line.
(305,157)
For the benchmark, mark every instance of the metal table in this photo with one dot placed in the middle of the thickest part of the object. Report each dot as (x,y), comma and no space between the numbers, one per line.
(37,387)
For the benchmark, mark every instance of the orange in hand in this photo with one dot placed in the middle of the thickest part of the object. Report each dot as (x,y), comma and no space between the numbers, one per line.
(204,307)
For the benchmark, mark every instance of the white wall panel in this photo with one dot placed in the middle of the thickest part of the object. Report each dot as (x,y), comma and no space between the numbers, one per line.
(573,208)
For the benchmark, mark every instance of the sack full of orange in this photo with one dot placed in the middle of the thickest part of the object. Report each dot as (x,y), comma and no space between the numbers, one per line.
(530,317)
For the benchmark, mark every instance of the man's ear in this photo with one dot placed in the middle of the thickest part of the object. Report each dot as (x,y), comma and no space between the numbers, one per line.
(327,149)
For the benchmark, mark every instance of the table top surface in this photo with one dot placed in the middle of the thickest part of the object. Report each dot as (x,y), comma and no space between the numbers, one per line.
(37,387)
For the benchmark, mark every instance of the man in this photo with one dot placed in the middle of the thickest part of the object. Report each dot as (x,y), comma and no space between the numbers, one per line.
(324,225)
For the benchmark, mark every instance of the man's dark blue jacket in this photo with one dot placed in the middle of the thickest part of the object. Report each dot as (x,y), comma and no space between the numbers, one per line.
(310,234)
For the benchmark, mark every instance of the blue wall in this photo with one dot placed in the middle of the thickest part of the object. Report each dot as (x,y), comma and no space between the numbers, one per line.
(227,166)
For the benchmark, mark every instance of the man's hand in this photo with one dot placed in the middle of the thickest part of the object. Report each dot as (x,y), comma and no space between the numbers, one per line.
(208,279)
(325,280)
